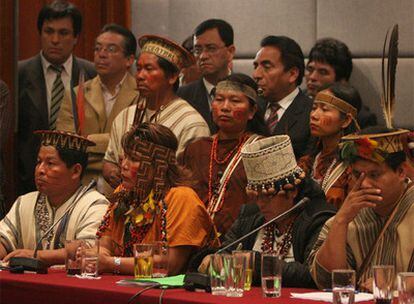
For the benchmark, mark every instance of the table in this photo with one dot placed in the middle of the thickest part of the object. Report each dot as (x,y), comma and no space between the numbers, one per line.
(56,287)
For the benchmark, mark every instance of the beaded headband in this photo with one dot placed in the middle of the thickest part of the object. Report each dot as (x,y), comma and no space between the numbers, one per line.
(65,140)
(167,49)
(150,156)
(270,165)
(337,103)
(374,147)
(226,85)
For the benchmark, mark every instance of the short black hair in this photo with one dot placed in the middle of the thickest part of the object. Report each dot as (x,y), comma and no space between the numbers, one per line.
(224,29)
(72,157)
(393,160)
(335,53)
(188,43)
(60,9)
(130,43)
(170,70)
(290,51)
(257,124)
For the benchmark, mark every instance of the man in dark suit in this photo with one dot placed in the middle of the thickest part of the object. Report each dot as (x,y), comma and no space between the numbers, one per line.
(43,79)
(278,69)
(214,51)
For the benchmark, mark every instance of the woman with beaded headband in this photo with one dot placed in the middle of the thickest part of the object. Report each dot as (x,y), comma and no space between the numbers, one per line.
(333,115)
(153,203)
(215,161)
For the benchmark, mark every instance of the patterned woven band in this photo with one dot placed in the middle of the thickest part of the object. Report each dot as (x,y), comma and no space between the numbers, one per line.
(227,85)
(65,140)
(166,49)
(337,103)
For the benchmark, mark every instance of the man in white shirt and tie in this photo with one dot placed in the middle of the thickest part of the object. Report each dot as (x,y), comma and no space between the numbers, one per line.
(43,79)
(278,69)
(214,51)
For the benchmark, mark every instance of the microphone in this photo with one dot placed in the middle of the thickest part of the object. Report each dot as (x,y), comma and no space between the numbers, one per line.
(20,264)
(280,217)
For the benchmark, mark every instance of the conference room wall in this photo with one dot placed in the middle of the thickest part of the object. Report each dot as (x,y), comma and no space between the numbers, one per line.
(361,24)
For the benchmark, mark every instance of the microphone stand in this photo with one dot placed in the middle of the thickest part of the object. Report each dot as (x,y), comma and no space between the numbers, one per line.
(19,264)
(195,280)
(281,216)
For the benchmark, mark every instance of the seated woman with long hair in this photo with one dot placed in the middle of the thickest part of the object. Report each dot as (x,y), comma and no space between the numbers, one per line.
(216,161)
(153,203)
(333,115)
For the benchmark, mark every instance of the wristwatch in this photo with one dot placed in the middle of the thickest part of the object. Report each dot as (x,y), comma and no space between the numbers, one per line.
(117,265)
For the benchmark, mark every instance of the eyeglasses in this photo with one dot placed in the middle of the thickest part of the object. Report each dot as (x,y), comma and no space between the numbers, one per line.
(209,49)
(110,49)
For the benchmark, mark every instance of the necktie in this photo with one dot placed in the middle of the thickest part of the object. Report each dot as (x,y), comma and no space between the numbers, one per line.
(273,118)
(57,95)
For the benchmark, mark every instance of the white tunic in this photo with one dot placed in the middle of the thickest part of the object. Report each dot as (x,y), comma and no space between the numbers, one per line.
(21,227)
(178,115)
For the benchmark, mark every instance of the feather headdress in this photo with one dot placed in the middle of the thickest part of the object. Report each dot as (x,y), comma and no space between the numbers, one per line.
(377,146)
(388,75)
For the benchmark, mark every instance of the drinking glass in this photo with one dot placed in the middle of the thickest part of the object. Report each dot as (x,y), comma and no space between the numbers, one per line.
(216,272)
(160,260)
(343,286)
(73,259)
(383,283)
(406,287)
(90,255)
(234,266)
(249,267)
(143,260)
(271,275)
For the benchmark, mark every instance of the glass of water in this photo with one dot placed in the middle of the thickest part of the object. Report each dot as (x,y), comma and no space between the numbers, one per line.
(343,286)
(217,274)
(383,283)
(406,287)
(90,255)
(234,266)
(271,275)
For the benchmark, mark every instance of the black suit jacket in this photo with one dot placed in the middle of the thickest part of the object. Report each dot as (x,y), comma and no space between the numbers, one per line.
(305,232)
(196,95)
(33,113)
(295,122)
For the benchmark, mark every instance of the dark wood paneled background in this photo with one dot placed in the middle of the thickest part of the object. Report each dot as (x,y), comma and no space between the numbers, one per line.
(21,42)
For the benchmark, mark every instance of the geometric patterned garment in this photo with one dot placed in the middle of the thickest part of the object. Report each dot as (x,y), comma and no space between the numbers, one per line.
(395,248)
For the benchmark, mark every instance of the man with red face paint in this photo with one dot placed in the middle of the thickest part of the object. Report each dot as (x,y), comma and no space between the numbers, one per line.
(61,162)
(278,70)
(214,161)
(158,68)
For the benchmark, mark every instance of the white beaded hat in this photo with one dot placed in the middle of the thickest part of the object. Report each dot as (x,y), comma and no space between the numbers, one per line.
(270,165)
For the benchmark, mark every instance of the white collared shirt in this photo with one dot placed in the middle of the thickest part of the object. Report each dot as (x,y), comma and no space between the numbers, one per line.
(110,99)
(284,103)
(50,76)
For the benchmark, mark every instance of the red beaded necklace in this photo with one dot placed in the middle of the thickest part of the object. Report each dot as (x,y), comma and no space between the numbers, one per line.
(282,246)
(214,158)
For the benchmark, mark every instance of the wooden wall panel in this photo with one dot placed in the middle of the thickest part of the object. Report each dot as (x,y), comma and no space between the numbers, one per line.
(95,13)
(8,75)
